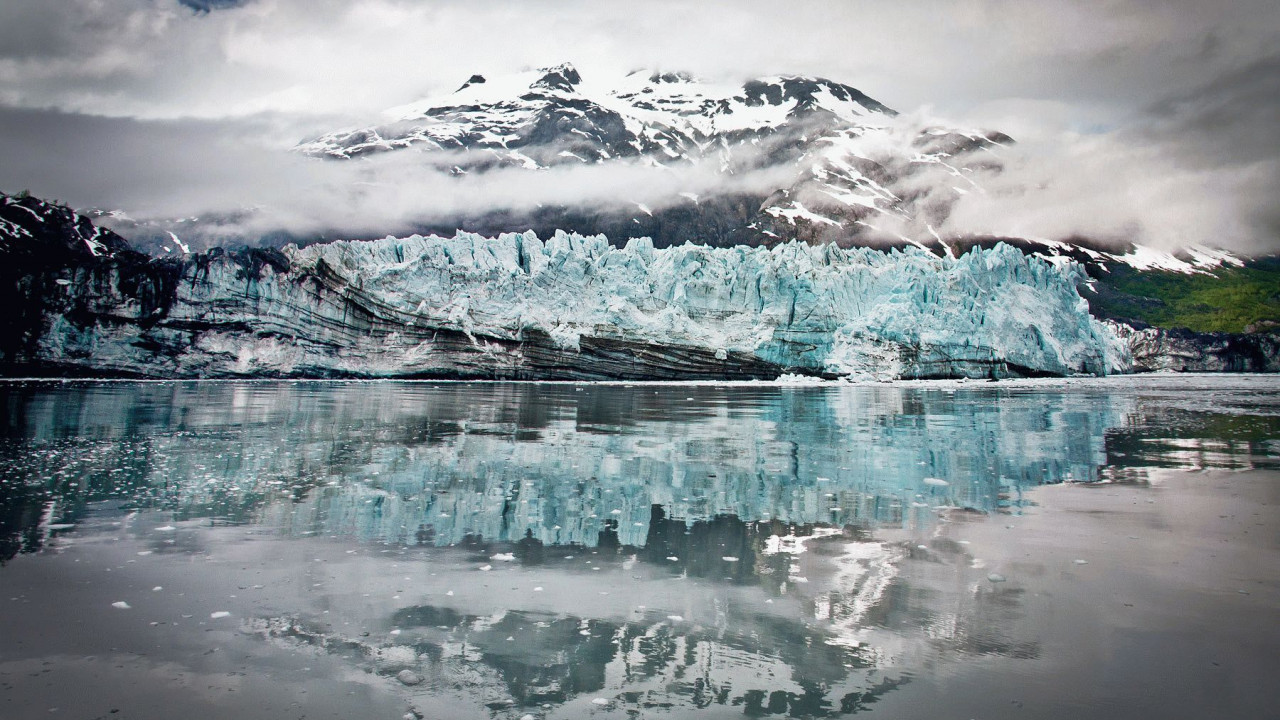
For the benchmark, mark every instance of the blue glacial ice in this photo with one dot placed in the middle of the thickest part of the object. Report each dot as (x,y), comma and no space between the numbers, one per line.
(859,313)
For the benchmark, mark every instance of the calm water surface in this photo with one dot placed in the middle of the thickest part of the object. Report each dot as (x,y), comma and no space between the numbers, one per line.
(1092,548)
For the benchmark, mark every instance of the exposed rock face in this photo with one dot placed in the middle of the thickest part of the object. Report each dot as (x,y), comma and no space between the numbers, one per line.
(516,307)
(1180,350)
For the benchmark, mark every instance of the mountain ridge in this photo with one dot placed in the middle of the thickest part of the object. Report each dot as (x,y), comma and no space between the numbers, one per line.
(844,152)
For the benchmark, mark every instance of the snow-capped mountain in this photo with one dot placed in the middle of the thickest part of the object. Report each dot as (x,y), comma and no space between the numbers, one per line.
(762,162)
(811,159)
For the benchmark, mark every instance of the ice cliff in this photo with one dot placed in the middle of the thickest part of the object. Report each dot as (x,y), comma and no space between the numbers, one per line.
(816,310)
(515,306)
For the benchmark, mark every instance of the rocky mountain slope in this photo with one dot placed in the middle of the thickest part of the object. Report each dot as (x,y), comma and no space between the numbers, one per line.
(763,162)
(797,157)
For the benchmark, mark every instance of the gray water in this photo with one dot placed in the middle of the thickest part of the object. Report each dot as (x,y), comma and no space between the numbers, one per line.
(321,549)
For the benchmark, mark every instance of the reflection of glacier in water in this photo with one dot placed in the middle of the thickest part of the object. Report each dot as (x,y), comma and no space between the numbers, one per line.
(414,463)
(754,549)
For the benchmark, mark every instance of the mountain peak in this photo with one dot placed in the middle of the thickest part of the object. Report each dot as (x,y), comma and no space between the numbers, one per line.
(671,78)
(560,77)
(473,80)
(808,93)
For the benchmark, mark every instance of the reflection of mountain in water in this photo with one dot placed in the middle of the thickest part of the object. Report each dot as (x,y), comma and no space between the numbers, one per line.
(762,664)
(769,512)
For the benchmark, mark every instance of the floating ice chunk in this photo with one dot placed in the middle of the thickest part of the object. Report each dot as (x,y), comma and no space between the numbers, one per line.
(219,614)
(538,589)
(729,558)
(121,605)
(503,557)
(166,528)
(157,588)
(936,482)
(1079,561)
(676,618)
(486,568)
(409,677)
(996,578)
(673,558)
(600,701)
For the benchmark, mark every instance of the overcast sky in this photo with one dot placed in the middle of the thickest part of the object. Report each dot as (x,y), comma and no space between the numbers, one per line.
(1135,118)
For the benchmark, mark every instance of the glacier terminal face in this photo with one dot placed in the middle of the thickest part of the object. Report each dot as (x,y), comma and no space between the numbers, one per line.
(818,310)
(572,307)
(518,307)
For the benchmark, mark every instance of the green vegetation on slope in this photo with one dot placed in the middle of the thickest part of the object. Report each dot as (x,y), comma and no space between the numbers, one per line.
(1228,300)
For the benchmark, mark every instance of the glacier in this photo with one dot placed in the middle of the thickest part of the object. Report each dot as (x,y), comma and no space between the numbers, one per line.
(574,307)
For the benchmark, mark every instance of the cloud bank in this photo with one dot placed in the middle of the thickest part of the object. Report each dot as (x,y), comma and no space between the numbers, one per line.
(1136,119)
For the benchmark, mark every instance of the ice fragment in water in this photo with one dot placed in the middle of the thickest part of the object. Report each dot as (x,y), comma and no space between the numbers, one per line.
(409,677)
(1080,562)
(600,701)
(936,482)
(996,578)
(219,614)
(120,605)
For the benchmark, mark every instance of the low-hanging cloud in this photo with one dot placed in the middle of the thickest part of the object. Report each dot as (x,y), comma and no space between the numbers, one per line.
(1201,166)
(1140,119)
(197,168)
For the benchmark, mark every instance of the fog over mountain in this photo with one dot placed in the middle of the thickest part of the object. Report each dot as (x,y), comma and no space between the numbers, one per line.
(1149,121)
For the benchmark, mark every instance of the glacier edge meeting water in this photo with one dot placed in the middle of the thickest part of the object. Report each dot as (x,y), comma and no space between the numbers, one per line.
(577,307)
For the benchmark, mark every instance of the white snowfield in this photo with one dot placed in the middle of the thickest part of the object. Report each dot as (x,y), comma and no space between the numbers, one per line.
(819,309)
